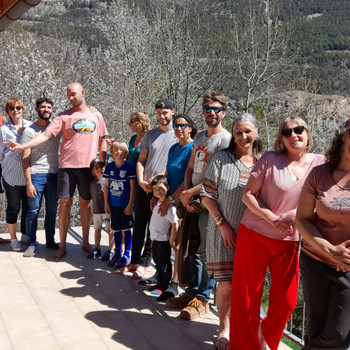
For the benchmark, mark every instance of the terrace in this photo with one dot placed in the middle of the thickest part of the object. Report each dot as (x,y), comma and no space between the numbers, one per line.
(79,303)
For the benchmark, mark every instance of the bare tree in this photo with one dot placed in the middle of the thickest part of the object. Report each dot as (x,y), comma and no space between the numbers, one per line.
(260,48)
(185,51)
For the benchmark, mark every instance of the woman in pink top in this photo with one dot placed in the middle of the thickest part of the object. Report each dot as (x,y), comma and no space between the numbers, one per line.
(323,218)
(267,238)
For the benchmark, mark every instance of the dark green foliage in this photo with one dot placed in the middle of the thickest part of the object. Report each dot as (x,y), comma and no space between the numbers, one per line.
(320,39)
(89,36)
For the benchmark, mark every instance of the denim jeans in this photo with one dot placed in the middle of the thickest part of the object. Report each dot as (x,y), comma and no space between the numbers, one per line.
(45,185)
(200,285)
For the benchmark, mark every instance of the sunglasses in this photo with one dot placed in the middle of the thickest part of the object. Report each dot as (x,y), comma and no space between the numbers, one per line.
(298,130)
(18,108)
(133,121)
(208,109)
(182,126)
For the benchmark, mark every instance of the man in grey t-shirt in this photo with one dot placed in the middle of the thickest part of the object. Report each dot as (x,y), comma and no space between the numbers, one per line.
(153,157)
(194,302)
(40,167)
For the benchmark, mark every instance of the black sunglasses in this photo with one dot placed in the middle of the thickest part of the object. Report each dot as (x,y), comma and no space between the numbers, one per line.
(208,109)
(182,126)
(298,130)
(18,108)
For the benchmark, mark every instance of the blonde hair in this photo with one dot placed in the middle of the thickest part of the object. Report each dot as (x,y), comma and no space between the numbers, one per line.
(279,144)
(143,119)
(122,145)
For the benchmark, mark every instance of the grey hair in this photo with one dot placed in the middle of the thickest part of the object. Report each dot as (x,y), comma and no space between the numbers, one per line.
(257,145)
(247,117)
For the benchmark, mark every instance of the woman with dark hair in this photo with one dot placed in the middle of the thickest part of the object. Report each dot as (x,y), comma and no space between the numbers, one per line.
(267,238)
(180,153)
(178,157)
(12,172)
(323,219)
(222,190)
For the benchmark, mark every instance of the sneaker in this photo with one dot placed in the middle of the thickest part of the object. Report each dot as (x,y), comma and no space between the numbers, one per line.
(115,260)
(30,252)
(195,309)
(171,292)
(94,254)
(157,292)
(106,255)
(179,302)
(123,262)
(24,239)
(150,280)
(15,245)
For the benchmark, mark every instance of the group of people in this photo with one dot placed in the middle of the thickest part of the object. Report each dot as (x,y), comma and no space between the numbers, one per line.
(38,171)
(226,210)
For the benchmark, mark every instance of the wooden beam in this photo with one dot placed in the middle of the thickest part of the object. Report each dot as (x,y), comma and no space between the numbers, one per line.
(6,5)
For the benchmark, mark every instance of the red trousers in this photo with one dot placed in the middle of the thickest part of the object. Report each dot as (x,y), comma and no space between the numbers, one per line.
(254,253)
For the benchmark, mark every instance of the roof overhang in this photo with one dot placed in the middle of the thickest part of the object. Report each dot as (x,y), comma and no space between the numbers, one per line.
(11,10)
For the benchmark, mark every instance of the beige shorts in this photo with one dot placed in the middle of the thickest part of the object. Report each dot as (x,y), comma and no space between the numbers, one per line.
(102,219)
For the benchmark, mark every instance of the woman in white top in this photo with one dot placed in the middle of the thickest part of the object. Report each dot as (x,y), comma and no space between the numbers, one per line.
(12,172)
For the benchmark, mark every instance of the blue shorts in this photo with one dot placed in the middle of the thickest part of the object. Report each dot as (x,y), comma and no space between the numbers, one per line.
(120,221)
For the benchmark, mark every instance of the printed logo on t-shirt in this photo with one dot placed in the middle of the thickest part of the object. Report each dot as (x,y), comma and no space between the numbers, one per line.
(341,203)
(84,126)
(201,159)
(122,173)
(117,188)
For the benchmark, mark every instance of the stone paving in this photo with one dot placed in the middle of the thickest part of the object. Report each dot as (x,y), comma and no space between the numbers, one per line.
(78,303)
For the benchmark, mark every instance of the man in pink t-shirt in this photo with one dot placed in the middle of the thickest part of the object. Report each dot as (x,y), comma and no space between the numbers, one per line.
(83,134)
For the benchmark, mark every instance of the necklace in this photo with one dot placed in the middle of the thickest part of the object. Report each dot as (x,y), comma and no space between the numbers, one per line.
(298,168)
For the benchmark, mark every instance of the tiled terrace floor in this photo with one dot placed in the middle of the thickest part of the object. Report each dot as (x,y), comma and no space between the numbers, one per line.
(82,304)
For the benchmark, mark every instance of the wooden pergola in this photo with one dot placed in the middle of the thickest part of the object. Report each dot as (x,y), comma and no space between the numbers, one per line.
(11,10)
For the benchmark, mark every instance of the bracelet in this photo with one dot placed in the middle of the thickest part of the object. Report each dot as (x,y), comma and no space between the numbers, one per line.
(218,218)
(222,223)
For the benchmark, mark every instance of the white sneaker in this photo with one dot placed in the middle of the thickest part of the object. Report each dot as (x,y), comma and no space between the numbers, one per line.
(15,245)
(30,252)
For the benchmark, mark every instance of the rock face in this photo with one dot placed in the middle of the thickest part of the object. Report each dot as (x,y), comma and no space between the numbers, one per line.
(324,114)
(307,105)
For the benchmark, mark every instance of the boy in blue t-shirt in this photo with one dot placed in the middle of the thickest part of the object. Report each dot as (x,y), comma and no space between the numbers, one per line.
(119,196)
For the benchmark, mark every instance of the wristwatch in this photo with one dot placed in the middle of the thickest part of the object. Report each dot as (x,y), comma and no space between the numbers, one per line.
(171,199)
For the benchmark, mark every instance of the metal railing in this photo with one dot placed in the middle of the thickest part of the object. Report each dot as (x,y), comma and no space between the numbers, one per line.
(295,328)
